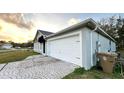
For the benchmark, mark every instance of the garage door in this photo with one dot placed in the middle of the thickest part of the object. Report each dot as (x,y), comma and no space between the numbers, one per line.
(67,49)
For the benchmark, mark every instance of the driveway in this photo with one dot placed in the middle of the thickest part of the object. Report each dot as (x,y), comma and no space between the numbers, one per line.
(36,67)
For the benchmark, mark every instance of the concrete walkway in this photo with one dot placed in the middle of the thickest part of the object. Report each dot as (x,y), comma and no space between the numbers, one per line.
(36,67)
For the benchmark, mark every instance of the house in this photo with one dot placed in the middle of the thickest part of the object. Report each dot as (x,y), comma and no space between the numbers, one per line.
(39,42)
(6,46)
(76,44)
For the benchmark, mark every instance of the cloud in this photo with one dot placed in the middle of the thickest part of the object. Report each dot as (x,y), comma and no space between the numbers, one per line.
(17,19)
(73,21)
(47,26)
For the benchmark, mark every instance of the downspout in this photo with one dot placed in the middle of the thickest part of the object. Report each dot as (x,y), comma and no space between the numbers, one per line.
(92,45)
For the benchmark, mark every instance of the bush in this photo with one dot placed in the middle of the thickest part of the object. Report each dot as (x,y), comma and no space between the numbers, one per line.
(117,68)
(79,70)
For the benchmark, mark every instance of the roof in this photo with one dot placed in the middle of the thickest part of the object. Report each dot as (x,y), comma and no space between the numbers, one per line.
(90,23)
(46,33)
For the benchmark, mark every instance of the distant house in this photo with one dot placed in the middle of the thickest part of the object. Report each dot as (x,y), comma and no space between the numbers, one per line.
(6,46)
(76,44)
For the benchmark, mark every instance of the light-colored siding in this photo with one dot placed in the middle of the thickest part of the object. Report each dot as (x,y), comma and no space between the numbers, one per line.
(86,48)
(90,39)
(47,48)
(38,47)
(113,46)
(105,46)
(94,46)
(78,47)
(66,47)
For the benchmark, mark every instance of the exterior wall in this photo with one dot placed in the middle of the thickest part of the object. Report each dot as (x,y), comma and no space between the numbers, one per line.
(66,47)
(83,48)
(90,47)
(86,48)
(113,46)
(105,45)
(39,34)
(38,47)
(95,38)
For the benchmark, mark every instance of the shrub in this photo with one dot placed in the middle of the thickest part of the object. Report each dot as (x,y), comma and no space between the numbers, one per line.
(117,68)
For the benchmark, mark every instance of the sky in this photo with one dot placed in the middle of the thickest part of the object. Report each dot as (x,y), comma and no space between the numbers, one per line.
(22,27)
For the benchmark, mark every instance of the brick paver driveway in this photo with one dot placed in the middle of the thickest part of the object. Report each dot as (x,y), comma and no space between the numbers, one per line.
(36,67)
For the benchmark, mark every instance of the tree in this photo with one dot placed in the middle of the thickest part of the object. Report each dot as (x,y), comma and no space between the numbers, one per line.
(121,37)
(114,26)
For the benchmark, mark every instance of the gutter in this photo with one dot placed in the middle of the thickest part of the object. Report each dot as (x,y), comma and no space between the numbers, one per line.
(81,24)
(91,47)
(107,35)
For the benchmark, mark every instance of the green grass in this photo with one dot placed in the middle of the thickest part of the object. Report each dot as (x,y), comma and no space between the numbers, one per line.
(80,73)
(15,55)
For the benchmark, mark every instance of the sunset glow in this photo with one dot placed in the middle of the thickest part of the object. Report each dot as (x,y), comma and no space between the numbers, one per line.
(22,27)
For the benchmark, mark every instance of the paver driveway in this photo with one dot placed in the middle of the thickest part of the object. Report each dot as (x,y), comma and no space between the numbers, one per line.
(36,67)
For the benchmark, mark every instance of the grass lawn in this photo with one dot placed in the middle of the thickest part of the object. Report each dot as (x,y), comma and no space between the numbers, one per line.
(15,55)
(80,73)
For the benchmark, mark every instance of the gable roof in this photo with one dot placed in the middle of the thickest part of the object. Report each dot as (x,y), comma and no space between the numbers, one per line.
(46,33)
(90,23)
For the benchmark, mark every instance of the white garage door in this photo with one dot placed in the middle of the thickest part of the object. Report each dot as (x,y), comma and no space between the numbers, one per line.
(67,49)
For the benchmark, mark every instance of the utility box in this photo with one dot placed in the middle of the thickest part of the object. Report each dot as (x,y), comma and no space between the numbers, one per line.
(107,61)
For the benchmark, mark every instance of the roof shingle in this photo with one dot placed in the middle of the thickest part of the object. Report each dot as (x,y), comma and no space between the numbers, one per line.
(45,32)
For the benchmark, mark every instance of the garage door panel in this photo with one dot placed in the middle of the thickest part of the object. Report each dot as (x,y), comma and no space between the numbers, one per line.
(67,49)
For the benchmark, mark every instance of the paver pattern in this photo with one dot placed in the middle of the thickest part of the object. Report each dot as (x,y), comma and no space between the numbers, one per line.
(36,67)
